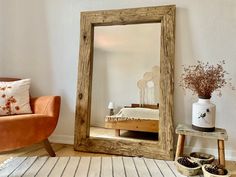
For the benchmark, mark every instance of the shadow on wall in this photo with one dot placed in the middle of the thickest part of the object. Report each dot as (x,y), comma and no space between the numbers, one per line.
(183,42)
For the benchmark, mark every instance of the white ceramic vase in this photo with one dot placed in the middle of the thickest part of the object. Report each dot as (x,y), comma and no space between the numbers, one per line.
(203,115)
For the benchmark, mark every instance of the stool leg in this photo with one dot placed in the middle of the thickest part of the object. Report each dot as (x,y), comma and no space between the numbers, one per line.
(221,152)
(180,146)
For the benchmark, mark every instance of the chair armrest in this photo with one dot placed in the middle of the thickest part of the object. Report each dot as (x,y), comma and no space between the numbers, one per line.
(47,105)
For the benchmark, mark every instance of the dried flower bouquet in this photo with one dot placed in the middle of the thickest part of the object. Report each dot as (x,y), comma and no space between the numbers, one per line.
(203,79)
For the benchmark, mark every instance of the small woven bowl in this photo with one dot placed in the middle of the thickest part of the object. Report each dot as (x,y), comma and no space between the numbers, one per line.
(202,158)
(186,170)
(207,174)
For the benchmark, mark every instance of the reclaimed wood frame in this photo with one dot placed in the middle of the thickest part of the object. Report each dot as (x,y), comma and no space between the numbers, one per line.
(161,149)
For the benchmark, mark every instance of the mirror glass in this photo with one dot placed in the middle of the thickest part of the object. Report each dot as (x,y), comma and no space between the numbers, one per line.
(125,84)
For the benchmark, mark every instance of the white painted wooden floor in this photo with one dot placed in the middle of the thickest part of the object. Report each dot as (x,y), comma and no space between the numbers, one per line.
(87,167)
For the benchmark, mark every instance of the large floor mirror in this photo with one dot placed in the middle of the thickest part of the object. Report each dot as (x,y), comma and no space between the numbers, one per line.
(125,82)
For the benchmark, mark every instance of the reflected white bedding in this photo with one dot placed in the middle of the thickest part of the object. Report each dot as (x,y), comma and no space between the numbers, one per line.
(135,113)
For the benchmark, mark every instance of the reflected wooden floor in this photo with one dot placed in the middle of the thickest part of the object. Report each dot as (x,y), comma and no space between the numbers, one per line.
(110,133)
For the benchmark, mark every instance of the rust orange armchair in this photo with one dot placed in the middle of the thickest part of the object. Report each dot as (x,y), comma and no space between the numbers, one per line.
(18,131)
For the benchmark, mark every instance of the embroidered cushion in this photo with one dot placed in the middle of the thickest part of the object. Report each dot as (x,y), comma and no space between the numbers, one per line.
(14,97)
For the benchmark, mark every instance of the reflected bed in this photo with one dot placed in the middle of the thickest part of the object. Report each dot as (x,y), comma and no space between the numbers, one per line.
(135,118)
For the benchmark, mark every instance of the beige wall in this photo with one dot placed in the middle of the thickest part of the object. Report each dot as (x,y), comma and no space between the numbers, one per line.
(1,37)
(41,41)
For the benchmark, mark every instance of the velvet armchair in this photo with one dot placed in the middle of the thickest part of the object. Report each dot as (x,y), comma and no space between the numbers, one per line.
(22,130)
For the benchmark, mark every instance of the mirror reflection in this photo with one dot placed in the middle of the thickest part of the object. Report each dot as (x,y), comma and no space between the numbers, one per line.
(125,85)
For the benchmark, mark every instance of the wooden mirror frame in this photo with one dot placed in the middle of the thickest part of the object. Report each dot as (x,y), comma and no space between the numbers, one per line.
(161,149)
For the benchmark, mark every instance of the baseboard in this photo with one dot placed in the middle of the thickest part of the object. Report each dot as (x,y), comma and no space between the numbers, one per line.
(229,154)
(63,139)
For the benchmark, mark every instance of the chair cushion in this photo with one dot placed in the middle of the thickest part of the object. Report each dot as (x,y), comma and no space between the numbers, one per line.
(14,97)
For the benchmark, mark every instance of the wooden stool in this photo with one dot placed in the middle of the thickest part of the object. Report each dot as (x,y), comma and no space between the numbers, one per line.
(219,134)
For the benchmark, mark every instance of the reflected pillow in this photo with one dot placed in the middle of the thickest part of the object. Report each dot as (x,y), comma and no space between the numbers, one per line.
(14,97)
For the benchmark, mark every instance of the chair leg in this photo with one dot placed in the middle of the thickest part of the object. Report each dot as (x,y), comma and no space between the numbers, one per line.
(48,148)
